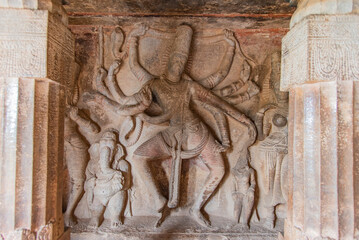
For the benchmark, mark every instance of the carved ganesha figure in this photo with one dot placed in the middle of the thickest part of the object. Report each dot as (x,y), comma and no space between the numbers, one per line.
(108,177)
(107,180)
(170,99)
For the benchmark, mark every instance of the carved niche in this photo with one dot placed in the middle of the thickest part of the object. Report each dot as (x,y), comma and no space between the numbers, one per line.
(164,135)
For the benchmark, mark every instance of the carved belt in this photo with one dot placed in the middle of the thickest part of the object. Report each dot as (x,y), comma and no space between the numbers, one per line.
(185,154)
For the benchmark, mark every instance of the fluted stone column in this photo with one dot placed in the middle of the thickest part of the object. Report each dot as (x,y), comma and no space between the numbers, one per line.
(320,68)
(36,70)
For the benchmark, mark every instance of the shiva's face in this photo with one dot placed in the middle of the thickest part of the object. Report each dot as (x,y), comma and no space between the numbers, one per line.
(176,66)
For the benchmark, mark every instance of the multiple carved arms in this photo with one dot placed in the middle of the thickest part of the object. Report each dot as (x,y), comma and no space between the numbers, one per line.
(222,125)
(87,127)
(214,79)
(141,74)
(232,95)
(209,82)
(111,96)
(205,96)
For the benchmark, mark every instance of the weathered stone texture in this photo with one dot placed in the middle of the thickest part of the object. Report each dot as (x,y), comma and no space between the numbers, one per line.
(34,47)
(31,157)
(31,4)
(211,62)
(321,48)
(323,199)
(35,43)
(160,7)
(320,68)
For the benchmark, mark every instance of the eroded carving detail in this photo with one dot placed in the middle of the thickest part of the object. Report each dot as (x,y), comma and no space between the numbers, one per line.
(178,129)
(76,156)
(243,194)
(23,234)
(269,154)
(186,137)
(329,39)
(108,178)
(46,232)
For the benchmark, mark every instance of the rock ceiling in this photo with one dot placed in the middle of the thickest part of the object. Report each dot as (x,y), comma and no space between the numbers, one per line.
(251,14)
(163,7)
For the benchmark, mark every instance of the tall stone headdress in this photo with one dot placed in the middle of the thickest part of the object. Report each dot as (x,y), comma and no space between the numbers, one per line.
(182,41)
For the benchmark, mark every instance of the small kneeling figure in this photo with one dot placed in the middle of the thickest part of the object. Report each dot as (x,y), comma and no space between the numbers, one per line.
(108,178)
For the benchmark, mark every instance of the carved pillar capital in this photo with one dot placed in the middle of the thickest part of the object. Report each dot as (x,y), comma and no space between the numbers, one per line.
(321,48)
(34,43)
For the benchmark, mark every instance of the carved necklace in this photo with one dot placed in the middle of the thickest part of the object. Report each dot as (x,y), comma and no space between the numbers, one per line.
(173,87)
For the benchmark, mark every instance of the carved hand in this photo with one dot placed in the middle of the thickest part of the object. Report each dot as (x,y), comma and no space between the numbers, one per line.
(142,116)
(114,68)
(252,130)
(102,72)
(73,113)
(118,181)
(139,31)
(221,147)
(147,96)
(123,55)
(253,89)
(229,34)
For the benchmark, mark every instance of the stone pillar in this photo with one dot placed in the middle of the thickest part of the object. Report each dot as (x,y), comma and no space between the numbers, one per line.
(320,68)
(36,69)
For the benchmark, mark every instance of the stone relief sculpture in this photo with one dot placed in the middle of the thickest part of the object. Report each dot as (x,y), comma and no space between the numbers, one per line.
(185,139)
(272,147)
(243,89)
(108,178)
(46,232)
(244,191)
(76,155)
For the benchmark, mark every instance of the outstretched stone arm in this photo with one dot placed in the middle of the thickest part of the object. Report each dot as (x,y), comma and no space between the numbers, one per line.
(90,182)
(201,94)
(87,127)
(141,74)
(143,100)
(217,77)
(221,123)
(235,94)
(156,120)
(115,92)
(100,82)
